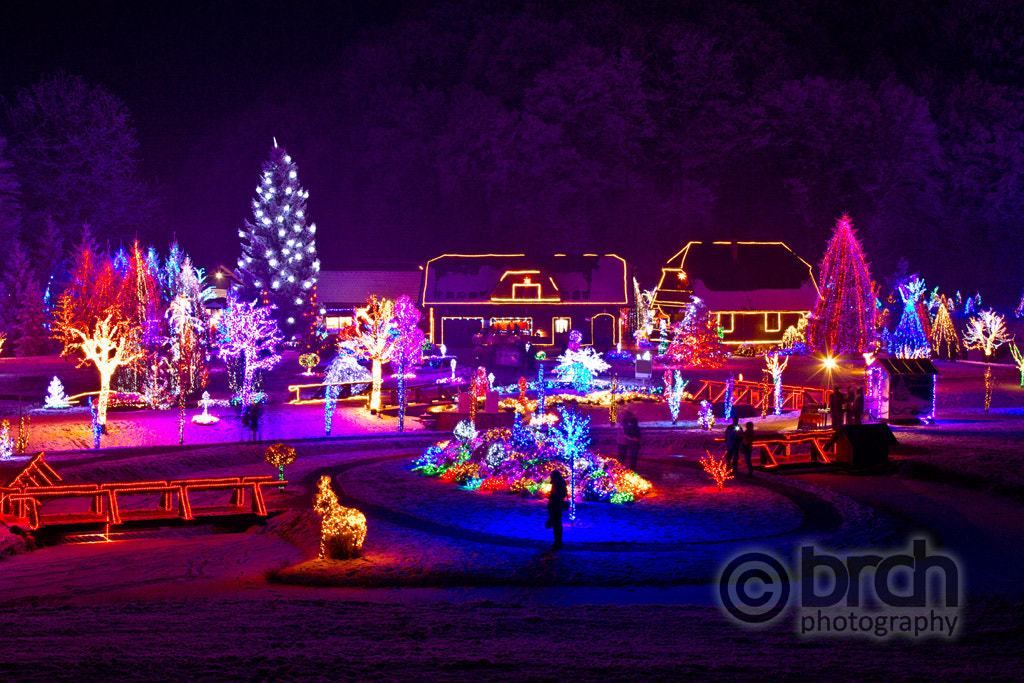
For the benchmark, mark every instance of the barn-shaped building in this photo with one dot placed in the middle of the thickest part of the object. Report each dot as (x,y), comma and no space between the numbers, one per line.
(543,298)
(754,289)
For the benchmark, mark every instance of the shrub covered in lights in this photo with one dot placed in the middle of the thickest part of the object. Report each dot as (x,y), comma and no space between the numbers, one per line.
(519,461)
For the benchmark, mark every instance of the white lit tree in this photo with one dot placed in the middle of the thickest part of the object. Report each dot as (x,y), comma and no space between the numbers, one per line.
(109,345)
(986,331)
(55,396)
(279,264)
(249,332)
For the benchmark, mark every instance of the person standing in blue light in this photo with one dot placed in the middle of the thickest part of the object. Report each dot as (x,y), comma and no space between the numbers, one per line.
(557,504)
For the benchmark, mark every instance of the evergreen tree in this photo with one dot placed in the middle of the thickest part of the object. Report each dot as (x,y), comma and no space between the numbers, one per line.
(695,340)
(944,339)
(17,278)
(278,264)
(33,337)
(55,396)
(843,317)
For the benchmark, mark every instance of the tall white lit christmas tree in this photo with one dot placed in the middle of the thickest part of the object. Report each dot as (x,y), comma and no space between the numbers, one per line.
(278,264)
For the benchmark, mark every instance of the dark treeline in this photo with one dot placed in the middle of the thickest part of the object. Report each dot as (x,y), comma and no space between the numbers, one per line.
(634,127)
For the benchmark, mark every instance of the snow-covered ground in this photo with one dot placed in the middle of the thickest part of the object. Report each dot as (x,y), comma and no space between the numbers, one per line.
(455,584)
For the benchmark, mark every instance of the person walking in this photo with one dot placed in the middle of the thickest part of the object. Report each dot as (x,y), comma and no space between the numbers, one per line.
(733,441)
(836,405)
(557,504)
(748,448)
(849,405)
(858,406)
(628,440)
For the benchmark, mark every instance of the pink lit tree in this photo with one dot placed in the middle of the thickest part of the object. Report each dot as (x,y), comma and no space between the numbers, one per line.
(249,332)
(843,317)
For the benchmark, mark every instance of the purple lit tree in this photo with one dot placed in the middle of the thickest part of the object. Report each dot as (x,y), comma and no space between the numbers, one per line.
(250,333)
(278,262)
(843,317)
(408,351)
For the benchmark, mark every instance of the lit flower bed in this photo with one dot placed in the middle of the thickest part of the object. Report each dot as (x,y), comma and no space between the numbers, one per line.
(519,461)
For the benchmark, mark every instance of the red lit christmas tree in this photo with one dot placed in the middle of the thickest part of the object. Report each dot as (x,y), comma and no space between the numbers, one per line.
(843,317)
(695,341)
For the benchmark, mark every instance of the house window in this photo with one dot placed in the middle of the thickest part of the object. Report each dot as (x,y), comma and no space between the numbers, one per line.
(561,325)
(727,322)
(334,323)
(526,290)
(772,322)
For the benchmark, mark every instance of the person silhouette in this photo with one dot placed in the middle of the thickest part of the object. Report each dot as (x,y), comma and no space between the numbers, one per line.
(837,407)
(557,503)
(748,449)
(733,440)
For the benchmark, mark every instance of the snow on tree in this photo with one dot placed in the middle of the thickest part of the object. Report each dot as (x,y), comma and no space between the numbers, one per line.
(986,331)
(909,339)
(109,345)
(344,368)
(55,396)
(279,263)
(250,333)
(945,342)
(696,342)
(843,317)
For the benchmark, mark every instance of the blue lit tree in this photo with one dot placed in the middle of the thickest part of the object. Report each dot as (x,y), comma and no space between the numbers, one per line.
(572,438)
(910,340)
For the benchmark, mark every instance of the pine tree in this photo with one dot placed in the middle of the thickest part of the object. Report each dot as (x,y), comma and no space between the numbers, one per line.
(33,337)
(695,340)
(843,317)
(278,264)
(944,339)
(55,396)
(17,278)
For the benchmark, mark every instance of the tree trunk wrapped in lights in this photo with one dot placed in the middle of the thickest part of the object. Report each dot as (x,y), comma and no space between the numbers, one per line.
(843,317)
(108,346)
(376,335)
(249,332)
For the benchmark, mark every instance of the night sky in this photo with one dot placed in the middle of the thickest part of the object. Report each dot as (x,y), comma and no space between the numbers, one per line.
(422,128)
(187,71)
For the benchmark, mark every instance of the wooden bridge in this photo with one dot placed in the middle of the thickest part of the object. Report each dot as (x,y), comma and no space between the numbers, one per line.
(756,393)
(820,444)
(24,496)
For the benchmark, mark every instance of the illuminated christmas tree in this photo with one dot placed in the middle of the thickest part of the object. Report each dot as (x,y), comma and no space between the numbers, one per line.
(944,339)
(910,340)
(695,340)
(250,333)
(278,264)
(843,317)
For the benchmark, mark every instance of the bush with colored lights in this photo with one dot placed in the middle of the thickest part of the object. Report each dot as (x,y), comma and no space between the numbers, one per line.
(519,461)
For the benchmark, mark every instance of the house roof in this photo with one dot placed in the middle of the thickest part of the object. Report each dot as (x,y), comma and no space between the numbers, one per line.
(738,276)
(493,278)
(354,287)
(908,366)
